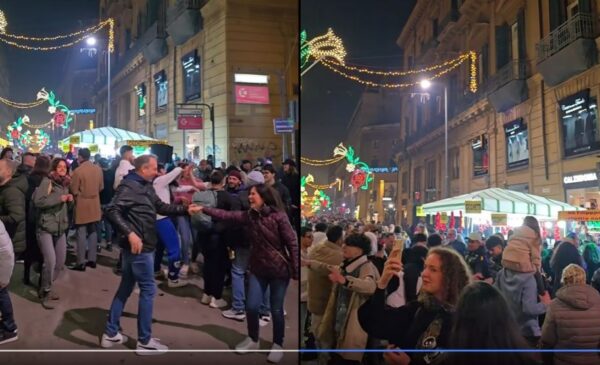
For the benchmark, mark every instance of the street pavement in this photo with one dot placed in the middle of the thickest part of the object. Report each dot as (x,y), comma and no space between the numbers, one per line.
(180,321)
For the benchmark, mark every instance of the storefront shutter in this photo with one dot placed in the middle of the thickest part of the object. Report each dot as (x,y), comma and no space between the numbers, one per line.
(502,46)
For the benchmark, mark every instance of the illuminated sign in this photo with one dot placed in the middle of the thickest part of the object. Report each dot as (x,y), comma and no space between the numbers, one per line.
(573,179)
(384,170)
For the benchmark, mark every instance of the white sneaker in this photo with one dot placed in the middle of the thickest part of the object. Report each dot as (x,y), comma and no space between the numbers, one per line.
(233,314)
(246,346)
(107,341)
(177,283)
(153,347)
(276,354)
(217,303)
(206,299)
(264,320)
(194,268)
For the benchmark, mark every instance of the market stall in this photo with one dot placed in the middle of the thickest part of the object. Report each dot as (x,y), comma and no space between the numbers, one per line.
(108,140)
(495,210)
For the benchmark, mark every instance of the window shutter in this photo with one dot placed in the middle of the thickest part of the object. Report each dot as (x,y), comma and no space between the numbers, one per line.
(502,50)
(521,30)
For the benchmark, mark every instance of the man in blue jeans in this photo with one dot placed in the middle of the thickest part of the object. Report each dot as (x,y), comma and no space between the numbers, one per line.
(133,214)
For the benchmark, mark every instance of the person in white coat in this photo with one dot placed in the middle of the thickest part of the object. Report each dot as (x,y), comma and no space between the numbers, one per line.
(8,327)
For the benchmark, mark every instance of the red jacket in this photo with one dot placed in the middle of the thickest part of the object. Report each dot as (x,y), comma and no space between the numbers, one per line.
(273,242)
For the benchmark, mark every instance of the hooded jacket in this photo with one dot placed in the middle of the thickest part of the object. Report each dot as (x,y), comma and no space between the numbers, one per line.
(573,322)
(520,291)
(566,253)
(523,252)
(7,257)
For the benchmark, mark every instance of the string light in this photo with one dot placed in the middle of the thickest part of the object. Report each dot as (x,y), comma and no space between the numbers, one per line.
(311,162)
(18,105)
(3,23)
(328,45)
(473,81)
(459,59)
(6,38)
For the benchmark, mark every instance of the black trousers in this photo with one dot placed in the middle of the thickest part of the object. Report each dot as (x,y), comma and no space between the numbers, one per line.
(216,263)
(6,310)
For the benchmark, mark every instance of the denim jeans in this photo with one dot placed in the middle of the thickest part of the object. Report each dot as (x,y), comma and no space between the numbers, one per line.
(104,226)
(257,287)
(167,238)
(54,250)
(185,233)
(239,265)
(87,242)
(6,310)
(136,268)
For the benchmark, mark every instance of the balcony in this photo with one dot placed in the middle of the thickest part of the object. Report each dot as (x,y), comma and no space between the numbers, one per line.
(572,44)
(429,46)
(184,20)
(508,87)
(154,43)
(448,23)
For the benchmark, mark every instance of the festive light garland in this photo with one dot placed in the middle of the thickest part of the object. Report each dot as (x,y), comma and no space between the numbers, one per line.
(361,172)
(5,37)
(3,23)
(310,182)
(18,105)
(304,50)
(449,63)
(328,45)
(36,141)
(312,162)
(312,204)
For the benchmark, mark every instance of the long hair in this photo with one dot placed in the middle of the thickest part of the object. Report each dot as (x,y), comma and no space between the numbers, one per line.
(270,197)
(41,166)
(58,160)
(533,223)
(483,320)
(456,275)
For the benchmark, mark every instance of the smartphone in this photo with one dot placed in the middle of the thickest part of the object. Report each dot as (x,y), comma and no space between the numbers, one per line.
(397,249)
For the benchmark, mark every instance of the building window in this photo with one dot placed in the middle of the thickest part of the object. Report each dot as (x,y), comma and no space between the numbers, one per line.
(140,92)
(405,181)
(191,74)
(579,119)
(480,156)
(431,177)
(455,164)
(162,90)
(517,145)
(418,179)
(375,144)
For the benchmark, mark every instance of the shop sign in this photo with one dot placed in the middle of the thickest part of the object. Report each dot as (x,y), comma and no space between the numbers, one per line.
(93,148)
(578,178)
(75,139)
(384,170)
(444,218)
(420,211)
(579,120)
(499,219)
(189,122)
(472,206)
(582,215)
(245,94)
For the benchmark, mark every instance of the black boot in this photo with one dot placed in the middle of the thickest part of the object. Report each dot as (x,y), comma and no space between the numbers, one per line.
(77,267)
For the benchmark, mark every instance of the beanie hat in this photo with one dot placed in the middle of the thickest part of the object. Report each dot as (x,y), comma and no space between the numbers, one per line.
(255,178)
(236,173)
(573,274)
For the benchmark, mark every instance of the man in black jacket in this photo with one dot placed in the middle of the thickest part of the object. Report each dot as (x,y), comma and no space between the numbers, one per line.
(133,214)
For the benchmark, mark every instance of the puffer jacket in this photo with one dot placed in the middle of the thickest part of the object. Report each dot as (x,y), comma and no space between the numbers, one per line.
(134,208)
(12,212)
(7,257)
(52,214)
(573,322)
(523,251)
(270,234)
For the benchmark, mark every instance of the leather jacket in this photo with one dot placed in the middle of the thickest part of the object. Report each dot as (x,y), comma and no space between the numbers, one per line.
(134,208)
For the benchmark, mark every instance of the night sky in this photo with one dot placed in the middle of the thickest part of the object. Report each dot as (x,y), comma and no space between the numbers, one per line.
(32,70)
(369,31)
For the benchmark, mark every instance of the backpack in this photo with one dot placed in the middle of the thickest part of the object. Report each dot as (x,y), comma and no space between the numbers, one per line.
(205,198)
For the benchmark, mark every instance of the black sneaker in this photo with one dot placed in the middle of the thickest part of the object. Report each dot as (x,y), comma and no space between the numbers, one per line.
(109,247)
(8,336)
(91,264)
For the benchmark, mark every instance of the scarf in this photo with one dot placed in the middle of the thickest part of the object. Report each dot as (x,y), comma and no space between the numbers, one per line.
(63,181)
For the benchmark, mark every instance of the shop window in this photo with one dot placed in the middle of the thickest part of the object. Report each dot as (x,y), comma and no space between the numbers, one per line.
(162,91)
(431,177)
(191,73)
(517,145)
(579,120)
(480,156)
(140,92)
(454,164)
(418,179)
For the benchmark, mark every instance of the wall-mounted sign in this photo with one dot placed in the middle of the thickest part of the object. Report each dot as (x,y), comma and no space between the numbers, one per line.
(191,73)
(517,144)
(245,94)
(162,91)
(578,178)
(579,119)
(383,170)
(499,219)
(472,206)
(420,211)
(283,125)
(480,156)
(189,122)
(83,111)
(140,91)
(581,215)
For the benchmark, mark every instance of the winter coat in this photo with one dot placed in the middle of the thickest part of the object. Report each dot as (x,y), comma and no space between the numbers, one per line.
(319,285)
(19,180)
(52,214)
(413,326)
(566,253)
(352,335)
(32,250)
(134,208)
(107,193)
(573,322)
(521,293)
(459,246)
(235,235)
(292,183)
(273,243)
(523,251)
(86,184)
(478,262)
(12,213)
(7,257)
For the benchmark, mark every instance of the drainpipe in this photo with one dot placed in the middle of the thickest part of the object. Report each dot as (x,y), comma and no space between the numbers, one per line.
(542,87)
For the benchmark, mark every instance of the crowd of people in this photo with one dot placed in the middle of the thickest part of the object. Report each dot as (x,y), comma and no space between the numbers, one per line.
(240,219)
(368,286)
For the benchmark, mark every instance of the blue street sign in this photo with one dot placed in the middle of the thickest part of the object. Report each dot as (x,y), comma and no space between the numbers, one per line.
(283,125)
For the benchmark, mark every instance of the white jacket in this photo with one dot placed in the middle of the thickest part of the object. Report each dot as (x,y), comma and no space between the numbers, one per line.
(123,169)
(161,186)
(7,257)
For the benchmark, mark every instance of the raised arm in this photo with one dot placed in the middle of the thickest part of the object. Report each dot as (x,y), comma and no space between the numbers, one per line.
(229,216)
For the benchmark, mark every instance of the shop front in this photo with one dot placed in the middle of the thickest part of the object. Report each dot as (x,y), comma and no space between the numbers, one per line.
(581,189)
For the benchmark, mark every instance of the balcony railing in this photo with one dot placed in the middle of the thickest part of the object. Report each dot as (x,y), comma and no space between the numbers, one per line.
(181,6)
(514,70)
(580,25)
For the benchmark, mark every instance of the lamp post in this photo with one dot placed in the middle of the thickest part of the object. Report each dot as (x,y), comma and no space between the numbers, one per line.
(426,84)
(91,43)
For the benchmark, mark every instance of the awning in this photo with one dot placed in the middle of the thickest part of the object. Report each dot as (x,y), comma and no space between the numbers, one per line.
(496,200)
(107,136)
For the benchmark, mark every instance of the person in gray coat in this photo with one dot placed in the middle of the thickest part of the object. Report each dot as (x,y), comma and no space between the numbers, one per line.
(572,320)
(8,327)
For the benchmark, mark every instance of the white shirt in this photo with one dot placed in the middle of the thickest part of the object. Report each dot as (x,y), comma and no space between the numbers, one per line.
(123,169)
(161,186)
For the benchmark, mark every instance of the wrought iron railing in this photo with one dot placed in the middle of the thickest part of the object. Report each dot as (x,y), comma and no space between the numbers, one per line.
(578,26)
(513,70)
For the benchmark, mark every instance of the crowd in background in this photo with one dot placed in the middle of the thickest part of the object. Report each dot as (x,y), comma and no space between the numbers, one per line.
(229,224)
(368,286)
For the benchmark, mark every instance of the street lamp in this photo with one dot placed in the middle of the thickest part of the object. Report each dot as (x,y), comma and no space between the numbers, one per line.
(90,41)
(426,84)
